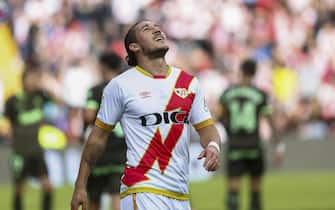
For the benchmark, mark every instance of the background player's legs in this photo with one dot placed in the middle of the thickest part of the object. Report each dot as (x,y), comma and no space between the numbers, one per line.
(233,192)
(235,169)
(93,205)
(115,201)
(255,197)
(18,168)
(38,168)
(17,197)
(46,192)
(95,185)
(256,169)
(113,189)
(94,198)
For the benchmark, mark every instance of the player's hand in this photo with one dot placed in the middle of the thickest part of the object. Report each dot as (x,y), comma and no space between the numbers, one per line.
(279,153)
(278,159)
(79,198)
(212,161)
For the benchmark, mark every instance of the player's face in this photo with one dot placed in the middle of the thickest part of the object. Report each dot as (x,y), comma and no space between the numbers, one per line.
(31,81)
(151,39)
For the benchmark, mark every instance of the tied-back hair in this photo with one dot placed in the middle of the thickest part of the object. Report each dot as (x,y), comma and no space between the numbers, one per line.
(131,38)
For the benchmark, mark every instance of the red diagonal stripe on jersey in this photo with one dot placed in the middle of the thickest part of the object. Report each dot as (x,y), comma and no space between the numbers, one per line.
(159,149)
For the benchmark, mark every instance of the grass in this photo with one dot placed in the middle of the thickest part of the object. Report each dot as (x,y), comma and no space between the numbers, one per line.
(282,191)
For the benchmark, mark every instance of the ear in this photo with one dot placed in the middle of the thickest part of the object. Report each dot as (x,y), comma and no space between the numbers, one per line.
(134,47)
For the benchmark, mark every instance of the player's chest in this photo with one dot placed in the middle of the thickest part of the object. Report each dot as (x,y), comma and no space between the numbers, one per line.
(158,98)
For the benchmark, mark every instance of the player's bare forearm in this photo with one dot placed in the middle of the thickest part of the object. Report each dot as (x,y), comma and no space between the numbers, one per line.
(279,144)
(275,134)
(93,149)
(207,134)
(210,140)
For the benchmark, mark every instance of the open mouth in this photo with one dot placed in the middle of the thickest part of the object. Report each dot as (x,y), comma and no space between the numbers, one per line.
(159,38)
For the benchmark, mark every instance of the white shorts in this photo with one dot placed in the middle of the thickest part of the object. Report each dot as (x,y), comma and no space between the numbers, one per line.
(149,201)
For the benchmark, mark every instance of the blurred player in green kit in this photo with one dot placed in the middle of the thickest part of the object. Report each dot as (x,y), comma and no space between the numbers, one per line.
(106,174)
(25,114)
(243,105)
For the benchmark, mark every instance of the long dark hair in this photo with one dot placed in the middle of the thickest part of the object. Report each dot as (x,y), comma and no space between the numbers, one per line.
(131,38)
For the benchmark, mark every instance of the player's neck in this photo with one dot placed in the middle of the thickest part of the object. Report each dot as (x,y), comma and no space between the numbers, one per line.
(108,76)
(156,66)
(245,81)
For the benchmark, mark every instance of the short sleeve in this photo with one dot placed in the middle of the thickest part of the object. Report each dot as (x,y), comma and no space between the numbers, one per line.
(111,107)
(200,114)
(222,99)
(9,111)
(91,100)
(266,108)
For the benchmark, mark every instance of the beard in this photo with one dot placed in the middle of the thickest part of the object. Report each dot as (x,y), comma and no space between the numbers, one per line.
(156,53)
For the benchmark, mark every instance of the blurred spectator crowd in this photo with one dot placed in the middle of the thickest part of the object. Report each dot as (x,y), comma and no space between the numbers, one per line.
(292,41)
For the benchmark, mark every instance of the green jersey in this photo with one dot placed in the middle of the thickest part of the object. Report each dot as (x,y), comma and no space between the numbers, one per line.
(243,106)
(25,113)
(114,156)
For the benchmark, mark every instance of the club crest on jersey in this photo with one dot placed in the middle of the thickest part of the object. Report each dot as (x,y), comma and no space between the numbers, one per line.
(182,92)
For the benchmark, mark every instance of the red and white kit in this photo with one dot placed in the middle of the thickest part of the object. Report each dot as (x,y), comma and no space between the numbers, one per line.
(156,113)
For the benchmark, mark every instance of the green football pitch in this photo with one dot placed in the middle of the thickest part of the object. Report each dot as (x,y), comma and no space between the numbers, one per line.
(282,191)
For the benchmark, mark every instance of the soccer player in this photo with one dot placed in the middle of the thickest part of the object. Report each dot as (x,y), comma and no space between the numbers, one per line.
(243,105)
(156,105)
(106,174)
(25,113)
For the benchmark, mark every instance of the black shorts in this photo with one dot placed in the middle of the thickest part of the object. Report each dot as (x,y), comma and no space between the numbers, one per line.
(245,161)
(22,166)
(96,185)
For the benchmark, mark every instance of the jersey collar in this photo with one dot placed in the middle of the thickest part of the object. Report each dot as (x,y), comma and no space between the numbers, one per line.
(148,74)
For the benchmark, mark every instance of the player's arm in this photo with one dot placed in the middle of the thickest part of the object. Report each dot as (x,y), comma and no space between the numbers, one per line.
(210,141)
(275,136)
(267,113)
(91,107)
(222,111)
(7,119)
(47,90)
(5,127)
(89,115)
(202,121)
(93,149)
(109,113)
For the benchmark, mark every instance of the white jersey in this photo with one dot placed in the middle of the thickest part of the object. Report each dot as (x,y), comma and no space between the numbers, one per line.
(156,113)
